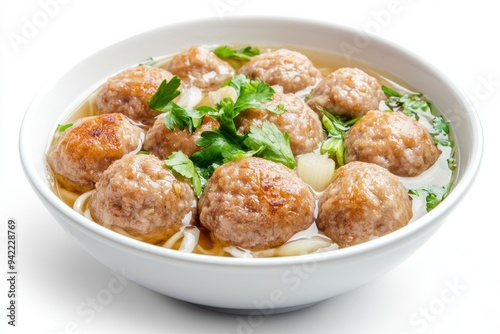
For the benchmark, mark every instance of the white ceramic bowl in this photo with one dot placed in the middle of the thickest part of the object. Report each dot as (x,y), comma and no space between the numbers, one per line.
(267,285)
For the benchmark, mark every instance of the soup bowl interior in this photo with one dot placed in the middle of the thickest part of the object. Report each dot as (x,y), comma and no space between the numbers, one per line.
(271,285)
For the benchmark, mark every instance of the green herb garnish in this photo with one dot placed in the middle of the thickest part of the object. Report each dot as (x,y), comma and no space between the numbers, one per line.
(218,146)
(176,116)
(182,165)
(241,54)
(62,127)
(433,195)
(416,105)
(336,129)
(271,144)
(166,93)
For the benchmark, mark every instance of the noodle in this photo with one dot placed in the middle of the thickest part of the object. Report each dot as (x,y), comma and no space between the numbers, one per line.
(80,204)
(304,242)
(139,146)
(173,239)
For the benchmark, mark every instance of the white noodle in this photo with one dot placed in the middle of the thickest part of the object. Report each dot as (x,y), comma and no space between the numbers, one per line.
(303,246)
(81,202)
(87,215)
(139,145)
(300,244)
(173,239)
(139,124)
(238,252)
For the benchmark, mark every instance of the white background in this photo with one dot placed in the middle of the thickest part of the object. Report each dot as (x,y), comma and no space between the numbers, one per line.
(451,285)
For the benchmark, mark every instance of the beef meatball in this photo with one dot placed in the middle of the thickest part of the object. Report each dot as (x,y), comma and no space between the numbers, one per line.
(299,121)
(363,201)
(200,67)
(255,204)
(391,140)
(129,91)
(84,150)
(289,69)
(139,195)
(347,91)
(162,142)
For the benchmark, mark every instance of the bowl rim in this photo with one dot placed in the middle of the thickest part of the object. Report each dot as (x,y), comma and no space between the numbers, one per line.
(440,212)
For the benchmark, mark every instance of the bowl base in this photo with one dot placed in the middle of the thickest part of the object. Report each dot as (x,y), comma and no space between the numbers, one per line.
(256,312)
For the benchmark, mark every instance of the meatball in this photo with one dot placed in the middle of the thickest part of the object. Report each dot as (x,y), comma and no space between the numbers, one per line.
(162,142)
(289,69)
(347,91)
(139,195)
(84,150)
(299,121)
(255,204)
(200,67)
(129,91)
(391,140)
(363,201)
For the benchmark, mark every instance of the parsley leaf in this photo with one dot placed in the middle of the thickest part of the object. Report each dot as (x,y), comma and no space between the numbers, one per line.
(272,144)
(181,118)
(179,163)
(218,148)
(241,54)
(176,116)
(167,91)
(253,94)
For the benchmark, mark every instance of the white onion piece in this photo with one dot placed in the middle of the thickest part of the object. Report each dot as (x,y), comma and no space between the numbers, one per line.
(190,240)
(221,93)
(81,202)
(162,115)
(277,89)
(304,92)
(316,170)
(190,97)
(186,220)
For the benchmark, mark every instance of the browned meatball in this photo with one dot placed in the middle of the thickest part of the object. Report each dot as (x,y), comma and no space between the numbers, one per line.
(141,196)
(200,67)
(255,204)
(162,142)
(299,121)
(89,146)
(391,140)
(289,69)
(129,91)
(363,201)
(347,91)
